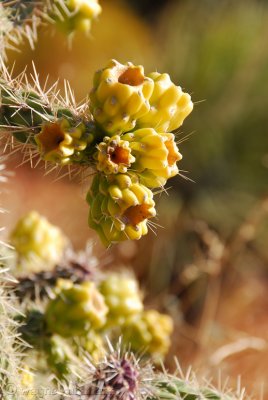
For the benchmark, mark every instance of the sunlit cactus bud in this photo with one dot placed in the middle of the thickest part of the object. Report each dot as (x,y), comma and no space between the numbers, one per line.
(119,207)
(113,155)
(120,96)
(60,143)
(76,309)
(156,155)
(75,15)
(38,244)
(122,296)
(169,105)
(149,331)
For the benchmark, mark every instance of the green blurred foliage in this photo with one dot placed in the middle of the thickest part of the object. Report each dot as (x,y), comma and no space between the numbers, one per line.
(218,50)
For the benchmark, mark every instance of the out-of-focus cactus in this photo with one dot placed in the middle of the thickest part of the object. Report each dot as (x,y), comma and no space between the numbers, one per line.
(149,331)
(122,296)
(75,15)
(38,243)
(119,207)
(120,96)
(76,309)
(59,356)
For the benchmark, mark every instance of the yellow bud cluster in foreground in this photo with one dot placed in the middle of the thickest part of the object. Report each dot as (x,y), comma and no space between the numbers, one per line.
(137,114)
(119,207)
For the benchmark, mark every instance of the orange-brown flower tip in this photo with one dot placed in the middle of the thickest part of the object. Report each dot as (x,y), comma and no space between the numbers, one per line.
(51,135)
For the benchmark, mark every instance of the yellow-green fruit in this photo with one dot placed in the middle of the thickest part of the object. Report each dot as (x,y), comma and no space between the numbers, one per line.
(169,105)
(76,309)
(60,143)
(120,96)
(148,331)
(75,15)
(156,155)
(38,244)
(122,297)
(119,207)
(113,155)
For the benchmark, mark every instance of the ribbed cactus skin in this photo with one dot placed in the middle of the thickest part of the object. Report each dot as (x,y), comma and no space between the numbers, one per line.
(120,96)
(119,207)
(169,105)
(37,242)
(156,155)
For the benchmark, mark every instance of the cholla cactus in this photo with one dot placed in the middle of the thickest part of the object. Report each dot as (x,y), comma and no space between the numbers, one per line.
(128,163)
(149,331)
(122,296)
(76,309)
(60,143)
(114,155)
(169,105)
(119,207)
(155,155)
(39,244)
(120,96)
(12,377)
(119,375)
(20,19)
(75,15)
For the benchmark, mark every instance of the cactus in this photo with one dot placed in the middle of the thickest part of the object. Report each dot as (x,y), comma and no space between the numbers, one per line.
(76,309)
(20,19)
(39,244)
(122,296)
(120,96)
(63,133)
(119,207)
(149,331)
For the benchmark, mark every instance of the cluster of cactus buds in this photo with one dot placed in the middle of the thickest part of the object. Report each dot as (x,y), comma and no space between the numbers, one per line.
(137,113)
(77,303)
(124,133)
(37,242)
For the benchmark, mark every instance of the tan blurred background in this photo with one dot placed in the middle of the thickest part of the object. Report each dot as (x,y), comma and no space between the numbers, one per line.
(208,265)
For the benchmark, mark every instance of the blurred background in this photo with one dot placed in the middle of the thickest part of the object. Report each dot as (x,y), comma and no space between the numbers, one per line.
(208,265)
